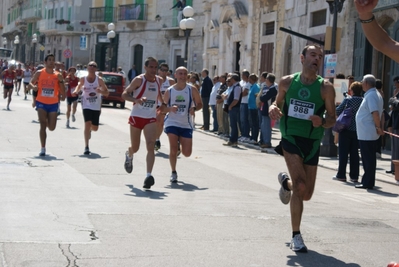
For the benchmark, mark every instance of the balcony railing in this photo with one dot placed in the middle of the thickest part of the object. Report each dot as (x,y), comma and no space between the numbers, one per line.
(10,27)
(32,14)
(132,12)
(102,14)
(51,25)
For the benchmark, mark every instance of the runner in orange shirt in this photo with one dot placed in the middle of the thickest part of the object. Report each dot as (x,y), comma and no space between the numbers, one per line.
(50,86)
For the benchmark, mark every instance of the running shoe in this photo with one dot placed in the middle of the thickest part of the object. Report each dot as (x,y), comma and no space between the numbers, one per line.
(173,177)
(8,108)
(148,182)
(67,123)
(87,151)
(73,118)
(128,163)
(157,145)
(285,195)
(339,179)
(42,152)
(297,244)
(26,97)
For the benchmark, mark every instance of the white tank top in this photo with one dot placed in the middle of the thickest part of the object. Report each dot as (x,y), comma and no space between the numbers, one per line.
(27,76)
(164,87)
(184,100)
(149,90)
(90,98)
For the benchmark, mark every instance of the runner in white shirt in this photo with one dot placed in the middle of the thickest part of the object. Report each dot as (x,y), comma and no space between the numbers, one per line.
(163,71)
(145,92)
(26,76)
(92,87)
(182,101)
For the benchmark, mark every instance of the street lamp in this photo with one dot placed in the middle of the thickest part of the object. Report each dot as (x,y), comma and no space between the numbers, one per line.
(16,42)
(4,42)
(186,25)
(110,35)
(34,42)
(335,8)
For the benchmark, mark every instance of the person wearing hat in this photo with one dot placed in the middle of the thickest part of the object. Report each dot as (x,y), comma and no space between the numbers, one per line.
(71,82)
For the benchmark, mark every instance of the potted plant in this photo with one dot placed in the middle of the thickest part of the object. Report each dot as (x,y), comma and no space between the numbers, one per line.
(83,22)
(66,22)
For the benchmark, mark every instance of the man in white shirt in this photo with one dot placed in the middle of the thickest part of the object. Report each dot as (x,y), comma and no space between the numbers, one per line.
(212,103)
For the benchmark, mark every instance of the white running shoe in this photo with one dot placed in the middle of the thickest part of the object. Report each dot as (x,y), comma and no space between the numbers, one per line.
(285,195)
(173,177)
(67,123)
(297,244)
(128,163)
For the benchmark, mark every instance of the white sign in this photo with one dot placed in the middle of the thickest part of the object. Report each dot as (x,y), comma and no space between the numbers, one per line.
(330,65)
(341,87)
(83,42)
(103,39)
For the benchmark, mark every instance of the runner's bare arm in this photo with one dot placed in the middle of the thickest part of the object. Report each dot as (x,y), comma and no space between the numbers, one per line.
(79,87)
(328,95)
(171,81)
(62,86)
(32,85)
(128,92)
(275,108)
(104,89)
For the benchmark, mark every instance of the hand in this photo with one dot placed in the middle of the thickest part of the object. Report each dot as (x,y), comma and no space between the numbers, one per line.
(140,100)
(173,108)
(365,8)
(274,112)
(192,111)
(317,121)
(379,131)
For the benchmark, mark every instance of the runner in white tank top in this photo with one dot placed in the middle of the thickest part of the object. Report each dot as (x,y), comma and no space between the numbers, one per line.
(145,92)
(182,100)
(93,87)
(27,76)
(162,71)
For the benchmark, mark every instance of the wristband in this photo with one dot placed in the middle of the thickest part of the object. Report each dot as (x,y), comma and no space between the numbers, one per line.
(367,20)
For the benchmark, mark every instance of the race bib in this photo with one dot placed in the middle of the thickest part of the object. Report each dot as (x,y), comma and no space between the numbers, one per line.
(181,109)
(149,104)
(91,100)
(48,92)
(300,109)
(8,80)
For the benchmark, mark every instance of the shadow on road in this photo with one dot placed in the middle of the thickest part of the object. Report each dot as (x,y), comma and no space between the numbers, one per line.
(161,155)
(313,258)
(91,156)
(185,187)
(47,158)
(145,193)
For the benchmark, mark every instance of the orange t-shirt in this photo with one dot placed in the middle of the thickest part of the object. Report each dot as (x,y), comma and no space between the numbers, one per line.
(48,88)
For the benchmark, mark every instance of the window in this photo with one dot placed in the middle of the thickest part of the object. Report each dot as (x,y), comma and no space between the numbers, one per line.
(69,13)
(318,18)
(268,28)
(62,13)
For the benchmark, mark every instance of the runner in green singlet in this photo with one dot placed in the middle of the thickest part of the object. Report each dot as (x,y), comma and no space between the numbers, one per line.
(305,105)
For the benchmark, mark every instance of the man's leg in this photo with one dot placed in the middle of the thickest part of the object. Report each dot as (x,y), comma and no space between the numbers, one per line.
(42,114)
(369,160)
(87,132)
(68,114)
(173,146)
(9,97)
(150,136)
(205,112)
(234,115)
(219,111)
(215,119)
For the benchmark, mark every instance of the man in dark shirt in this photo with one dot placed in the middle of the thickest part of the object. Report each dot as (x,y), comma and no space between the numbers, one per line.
(132,73)
(205,93)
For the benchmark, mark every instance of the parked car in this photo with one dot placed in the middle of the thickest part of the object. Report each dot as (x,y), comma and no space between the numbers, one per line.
(115,84)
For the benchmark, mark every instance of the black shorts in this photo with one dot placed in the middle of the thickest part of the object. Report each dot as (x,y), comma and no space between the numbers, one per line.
(92,115)
(19,80)
(70,100)
(308,149)
(34,93)
(8,87)
(26,83)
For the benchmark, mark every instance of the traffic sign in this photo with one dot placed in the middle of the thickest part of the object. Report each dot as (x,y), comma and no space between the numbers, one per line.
(67,53)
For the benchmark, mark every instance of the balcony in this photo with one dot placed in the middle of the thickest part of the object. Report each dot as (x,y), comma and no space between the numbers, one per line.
(62,27)
(32,14)
(133,12)
(101,16)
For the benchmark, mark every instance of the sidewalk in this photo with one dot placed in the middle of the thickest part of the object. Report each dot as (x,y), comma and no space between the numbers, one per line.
(383,164)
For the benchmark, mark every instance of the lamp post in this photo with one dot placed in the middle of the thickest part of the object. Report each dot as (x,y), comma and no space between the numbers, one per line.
(186,25)
(110,35)
(34,42)
(4,42)
(16,42)
(335,8)
(328,147)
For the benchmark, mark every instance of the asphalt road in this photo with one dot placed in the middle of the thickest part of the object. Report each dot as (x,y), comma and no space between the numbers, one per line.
(67,209)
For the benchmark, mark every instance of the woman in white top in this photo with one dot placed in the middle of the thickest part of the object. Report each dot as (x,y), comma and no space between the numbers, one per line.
(27,76)
(182,101)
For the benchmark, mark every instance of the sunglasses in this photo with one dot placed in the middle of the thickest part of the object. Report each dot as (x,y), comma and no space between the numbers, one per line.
(163,70)
(92,65)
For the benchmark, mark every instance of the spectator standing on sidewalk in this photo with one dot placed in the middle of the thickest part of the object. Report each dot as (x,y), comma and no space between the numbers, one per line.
(206,90)
(267,98)
(253,109)
(300,105)
(212,103)
(393,125)
(348,143)
(223,122)
(369,128)
(233,105)
(244,117)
